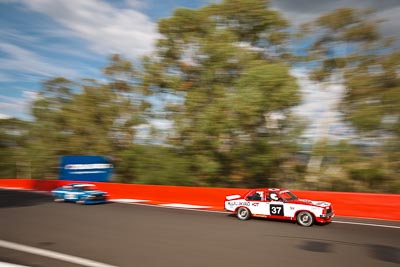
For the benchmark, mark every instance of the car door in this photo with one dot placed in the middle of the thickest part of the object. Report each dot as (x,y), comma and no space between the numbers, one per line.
(256,202)
(72,194)
(289,206)
(275,205)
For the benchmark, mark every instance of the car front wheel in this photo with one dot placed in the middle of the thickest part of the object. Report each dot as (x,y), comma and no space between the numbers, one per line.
(243,214)
(305,218)
(81,201)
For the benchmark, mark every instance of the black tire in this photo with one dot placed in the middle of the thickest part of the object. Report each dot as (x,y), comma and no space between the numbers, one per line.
(80,201)
(243,213)
(305,218)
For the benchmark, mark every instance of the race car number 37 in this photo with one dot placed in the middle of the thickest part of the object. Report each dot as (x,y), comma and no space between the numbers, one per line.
(276,209)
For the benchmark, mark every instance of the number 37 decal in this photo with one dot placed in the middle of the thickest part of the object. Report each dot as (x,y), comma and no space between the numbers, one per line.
(276,209)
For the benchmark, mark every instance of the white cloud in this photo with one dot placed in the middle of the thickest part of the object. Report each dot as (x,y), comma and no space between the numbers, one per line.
(17,36)
(3,116)
(106,28)
(309,10)
(391,23)
(23,55)
(14,107)
(320,106)
(162,124)
(30,95)
(22,60)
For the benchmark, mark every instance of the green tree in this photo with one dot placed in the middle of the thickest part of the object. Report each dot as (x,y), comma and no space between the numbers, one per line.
(14,161)
(155,164)
(225,65)
(348,44)
(86,118)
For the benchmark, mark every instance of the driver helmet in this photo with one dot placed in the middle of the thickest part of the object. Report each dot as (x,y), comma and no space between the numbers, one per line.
(274,196)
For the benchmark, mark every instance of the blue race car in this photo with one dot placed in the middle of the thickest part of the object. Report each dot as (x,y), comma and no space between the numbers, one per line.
(79,193)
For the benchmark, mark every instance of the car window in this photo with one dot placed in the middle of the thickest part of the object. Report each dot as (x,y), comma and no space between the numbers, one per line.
(84,188)
(256,195)
(89,188)
(287,195)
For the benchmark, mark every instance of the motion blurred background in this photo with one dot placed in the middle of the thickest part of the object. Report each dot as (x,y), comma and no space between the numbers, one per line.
(235,93)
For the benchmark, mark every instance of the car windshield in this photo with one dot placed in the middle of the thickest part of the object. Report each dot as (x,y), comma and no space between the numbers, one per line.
(86,188)
(287,195)
(89,188)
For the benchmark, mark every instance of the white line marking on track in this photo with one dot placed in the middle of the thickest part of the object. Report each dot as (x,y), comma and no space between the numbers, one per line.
(127,200)
(166,207)
(369,224)
(137,202)
(183,206)
(226,212)
(52,254)
(6,264)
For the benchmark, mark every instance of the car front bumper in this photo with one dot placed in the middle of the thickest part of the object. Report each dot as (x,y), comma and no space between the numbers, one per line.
(95,201)
(325,218)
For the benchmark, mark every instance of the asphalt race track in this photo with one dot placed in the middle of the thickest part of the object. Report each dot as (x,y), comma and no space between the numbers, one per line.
(137,235)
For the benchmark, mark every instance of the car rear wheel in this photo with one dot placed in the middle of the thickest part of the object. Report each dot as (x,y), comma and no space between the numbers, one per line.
(80,201)
(57,199)
(243,214)
(305,218)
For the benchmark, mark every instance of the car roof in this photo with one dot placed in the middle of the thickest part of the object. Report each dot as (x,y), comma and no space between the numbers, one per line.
(80,185)
(269,189)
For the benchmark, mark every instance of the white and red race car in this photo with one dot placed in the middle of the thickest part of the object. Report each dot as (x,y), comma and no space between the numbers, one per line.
(279,204)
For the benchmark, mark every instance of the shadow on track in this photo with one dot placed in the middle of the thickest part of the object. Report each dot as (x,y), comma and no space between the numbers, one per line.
(279,220)
(385,253)
(17,198)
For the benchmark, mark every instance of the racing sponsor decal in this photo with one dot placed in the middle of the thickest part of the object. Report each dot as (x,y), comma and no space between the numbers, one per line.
(70,196)
(239,203)
(88,166)
(276,209)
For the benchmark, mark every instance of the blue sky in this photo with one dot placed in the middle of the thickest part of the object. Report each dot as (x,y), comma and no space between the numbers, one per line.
(41,39)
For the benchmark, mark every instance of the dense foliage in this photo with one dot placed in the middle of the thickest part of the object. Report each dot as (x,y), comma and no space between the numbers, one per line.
(348,45)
